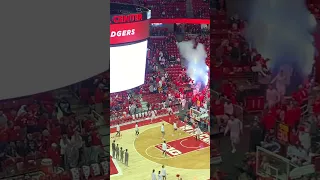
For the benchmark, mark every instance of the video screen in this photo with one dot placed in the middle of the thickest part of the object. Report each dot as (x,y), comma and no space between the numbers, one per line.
(127,66)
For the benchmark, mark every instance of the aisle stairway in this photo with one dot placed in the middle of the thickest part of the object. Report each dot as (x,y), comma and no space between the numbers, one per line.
(144,106)
(189,9)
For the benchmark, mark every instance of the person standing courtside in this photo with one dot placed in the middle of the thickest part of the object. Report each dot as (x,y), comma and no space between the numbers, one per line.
(118,130)
(137,129)
(121,154)
(114,149)
(164,173)
(117,152)
(159,176)
(126,158)
(162,131)
(164,149)
(175,128)
(153,175)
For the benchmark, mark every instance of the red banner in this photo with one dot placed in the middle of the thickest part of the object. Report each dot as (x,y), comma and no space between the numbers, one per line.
(129,32)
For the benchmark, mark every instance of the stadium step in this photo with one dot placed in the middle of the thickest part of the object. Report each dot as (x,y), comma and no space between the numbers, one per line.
(144,106)
(189,9)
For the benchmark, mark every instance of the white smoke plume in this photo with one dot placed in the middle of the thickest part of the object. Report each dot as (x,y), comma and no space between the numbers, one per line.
(195,59)
(282,31)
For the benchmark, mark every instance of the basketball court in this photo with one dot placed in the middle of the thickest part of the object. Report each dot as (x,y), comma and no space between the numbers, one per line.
(186,156)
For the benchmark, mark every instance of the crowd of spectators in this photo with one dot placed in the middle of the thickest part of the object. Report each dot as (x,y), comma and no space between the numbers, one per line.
(44,128)
(174,8)
(234,59)
(166,79)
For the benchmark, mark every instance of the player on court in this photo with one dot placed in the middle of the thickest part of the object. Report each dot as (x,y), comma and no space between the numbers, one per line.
(164,173)
(153,116)
(198,133)
(137,129)
(235,127)
(153,175)
(170,111)
(118,130)
(164,149)
(159,175)
(162,130)
(175,128)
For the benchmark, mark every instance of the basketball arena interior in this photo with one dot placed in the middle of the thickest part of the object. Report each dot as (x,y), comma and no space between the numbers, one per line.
(164,68)
(183,74)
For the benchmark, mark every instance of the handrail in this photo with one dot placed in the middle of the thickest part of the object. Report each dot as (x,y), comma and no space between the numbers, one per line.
(98,117)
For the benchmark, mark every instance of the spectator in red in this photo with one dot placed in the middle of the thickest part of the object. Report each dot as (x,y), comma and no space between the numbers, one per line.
(234,33)
(269,121)
(228,89)
(290,117)
(54,154)
(15,134)
(301,95)
(96,146)
(316,106)
(294,136)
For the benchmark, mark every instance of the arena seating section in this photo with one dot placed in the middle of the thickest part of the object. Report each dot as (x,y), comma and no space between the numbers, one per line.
(120,102)
(162,9)
(37,128)
(222,36)
(163,41)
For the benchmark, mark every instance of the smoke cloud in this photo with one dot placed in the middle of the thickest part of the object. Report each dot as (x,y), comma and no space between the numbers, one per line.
(197,69)
(282,31)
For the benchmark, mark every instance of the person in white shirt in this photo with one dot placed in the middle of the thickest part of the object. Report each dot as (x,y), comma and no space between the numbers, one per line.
(159,176)
(164,103)
(258,68)
(137,129)
(160,84)
(175,128)
(153,116)
(160,54)
(64,141)
(170,111)
(22,110)
(183,103)
(162,130)
(198,133)
(281,83)
(292,151)
(118,130)
(153,175)
(235,127)
(228,108)
(164,148)
(164,173)
(305,138)
(272,96)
